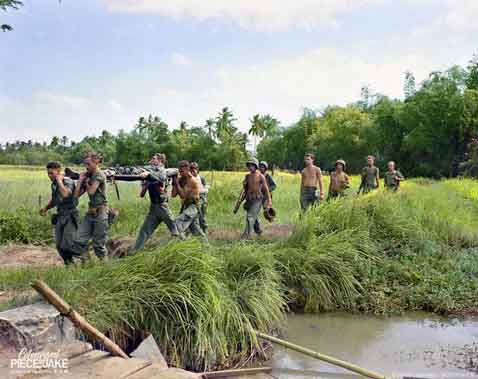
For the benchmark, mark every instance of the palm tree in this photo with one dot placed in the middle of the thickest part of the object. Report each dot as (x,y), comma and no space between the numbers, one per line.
(262,125)
(210,126)
(225,123)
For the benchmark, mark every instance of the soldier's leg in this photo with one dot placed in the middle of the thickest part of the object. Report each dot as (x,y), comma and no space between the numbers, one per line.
(100,235)
(167,217)
(252,215)
(65,255)
(202,216)
(83,236)
(150,224)
(185,218)
(196,229)
(69,233)
(257,225)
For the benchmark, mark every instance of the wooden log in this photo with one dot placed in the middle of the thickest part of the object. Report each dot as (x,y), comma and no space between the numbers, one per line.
(236,372)
(66,310)
(322,357)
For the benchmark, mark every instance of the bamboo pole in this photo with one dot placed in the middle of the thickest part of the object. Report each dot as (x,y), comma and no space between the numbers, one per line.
(236,372)
(66,310)
(322,357)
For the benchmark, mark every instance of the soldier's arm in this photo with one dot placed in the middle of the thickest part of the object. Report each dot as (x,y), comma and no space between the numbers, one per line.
(65,191)
(46,208)
(321,184)
(302,181)
(144,189)
(377,174)
(271,183)
(399,176)
(80,187)
(92,185)
(347,181)
(266,191)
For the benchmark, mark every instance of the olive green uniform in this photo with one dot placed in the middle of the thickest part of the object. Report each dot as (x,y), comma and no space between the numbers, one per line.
(66,219)
(370,175)
(158,210)
(253,207)
(389,180)
(95,223)
(308,197)
(203,205)
(188,219)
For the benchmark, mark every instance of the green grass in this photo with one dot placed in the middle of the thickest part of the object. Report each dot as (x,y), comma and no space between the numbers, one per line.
(382,253)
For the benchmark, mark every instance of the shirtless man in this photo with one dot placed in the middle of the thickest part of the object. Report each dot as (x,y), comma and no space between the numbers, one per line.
(339,181)
(256,193)
(188,189)
(203,191)
(311,176)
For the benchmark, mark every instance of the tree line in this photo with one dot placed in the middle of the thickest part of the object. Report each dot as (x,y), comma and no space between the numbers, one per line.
(432,132)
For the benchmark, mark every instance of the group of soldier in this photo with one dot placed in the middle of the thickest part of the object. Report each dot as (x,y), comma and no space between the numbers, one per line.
(73,234)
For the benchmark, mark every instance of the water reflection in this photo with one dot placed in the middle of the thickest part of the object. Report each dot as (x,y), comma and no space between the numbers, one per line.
(415,345)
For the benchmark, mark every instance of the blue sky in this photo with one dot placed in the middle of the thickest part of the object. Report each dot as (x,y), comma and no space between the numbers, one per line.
(77,67)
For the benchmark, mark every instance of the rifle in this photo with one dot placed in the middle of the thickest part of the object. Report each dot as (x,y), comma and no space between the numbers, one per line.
(239,200)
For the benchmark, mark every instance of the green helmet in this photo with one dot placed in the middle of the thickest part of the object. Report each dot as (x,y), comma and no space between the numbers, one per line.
(253,161)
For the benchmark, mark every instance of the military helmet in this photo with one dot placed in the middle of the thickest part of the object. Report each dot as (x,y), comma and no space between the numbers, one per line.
(270,214)
(341,161)
(264,163)
(253,161)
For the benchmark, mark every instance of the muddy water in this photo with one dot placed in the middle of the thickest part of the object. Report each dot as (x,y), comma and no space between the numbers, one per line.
(416,346)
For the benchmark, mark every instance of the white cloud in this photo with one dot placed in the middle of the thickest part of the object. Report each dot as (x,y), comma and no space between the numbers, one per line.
(315,79)
(61,100)
(116,106)
(462,15)
(263,14)
(179,59)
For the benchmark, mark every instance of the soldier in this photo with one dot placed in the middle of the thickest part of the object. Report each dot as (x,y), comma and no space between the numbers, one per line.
(392,177)
(203,191)
(95,224)
(311,176)
(155,182)
(339,181)
(271,184)
(370,176)
(257,194)
(187,188)
(66,219)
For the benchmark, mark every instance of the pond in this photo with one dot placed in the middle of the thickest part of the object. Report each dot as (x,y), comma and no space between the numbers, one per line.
(417,345)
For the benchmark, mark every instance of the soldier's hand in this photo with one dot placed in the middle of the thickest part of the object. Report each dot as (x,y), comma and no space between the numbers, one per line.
(43,212)
(144,174)
(83,176)
(321,196)
(59,178)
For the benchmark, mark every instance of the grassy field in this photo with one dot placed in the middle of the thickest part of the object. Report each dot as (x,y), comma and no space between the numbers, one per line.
(382,253)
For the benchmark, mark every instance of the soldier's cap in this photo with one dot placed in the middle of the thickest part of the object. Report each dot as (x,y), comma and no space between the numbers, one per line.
(264,163)
(253,161)
(341,161)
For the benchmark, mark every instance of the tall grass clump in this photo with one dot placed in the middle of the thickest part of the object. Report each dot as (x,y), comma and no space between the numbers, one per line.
(200,304)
